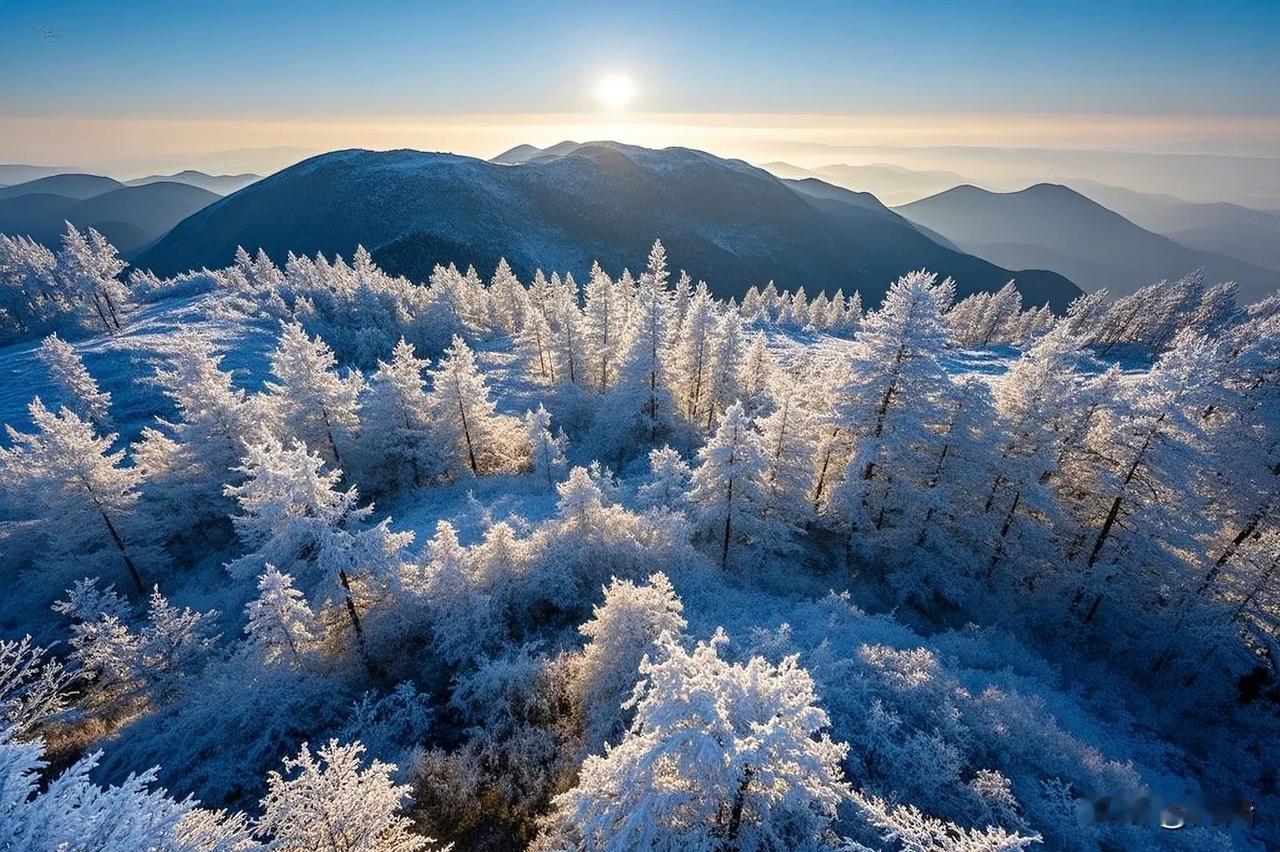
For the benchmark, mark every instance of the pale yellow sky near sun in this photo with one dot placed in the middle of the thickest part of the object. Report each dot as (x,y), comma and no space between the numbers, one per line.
(123,146)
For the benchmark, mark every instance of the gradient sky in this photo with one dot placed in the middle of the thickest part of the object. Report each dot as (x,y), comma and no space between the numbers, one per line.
(153,73)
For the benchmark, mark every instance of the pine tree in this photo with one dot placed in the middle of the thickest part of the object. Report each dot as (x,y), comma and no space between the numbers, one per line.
(70,476)
(330,802)
(293,516)
(669,481)
(77,387)
(693,359)
(720,755)
(508,297)
(722,383)
(602,328)
(889,406)
(755,374)
(642,399)
(461,616)
(622,631)
(463,413)
(1142,461)
(729,496)
(71,812)
(534,345)
(788,442)
(568,348)
(546,451)
(279,619)
(89,267)
(315,404)
(397,404)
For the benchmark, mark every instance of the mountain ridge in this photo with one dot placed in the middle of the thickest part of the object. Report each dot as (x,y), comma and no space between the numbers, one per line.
(1053,226)
(724,220)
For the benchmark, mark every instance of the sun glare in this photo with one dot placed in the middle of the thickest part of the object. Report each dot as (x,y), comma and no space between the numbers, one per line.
(615,91)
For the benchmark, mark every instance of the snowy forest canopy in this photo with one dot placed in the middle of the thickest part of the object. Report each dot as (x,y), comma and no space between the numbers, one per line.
(645,570)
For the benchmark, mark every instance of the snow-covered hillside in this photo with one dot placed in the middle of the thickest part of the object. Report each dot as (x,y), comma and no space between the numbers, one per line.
(517,565)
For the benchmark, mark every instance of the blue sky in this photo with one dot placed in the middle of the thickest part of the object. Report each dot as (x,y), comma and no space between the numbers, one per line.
(324,58)
(130,87)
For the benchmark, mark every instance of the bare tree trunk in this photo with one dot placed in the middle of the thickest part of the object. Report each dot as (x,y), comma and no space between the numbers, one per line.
(128,563)
(734,828)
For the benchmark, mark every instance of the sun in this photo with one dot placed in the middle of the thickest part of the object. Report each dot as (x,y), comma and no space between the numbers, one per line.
(615,91)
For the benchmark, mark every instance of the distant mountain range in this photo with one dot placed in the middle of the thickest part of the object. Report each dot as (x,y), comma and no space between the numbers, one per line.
(218,184)
(1053,227)
(131,217)
(1240,232)
(894,185)
(562,207)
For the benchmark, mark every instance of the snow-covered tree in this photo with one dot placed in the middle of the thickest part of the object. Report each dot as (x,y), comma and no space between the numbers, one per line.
(602,327)
(693,357)
(1139,519)
(546,451)
(463,413)
(187,461)
(71,812)
(568,340)
(729,495)
(722,381)
(909,830)
(670,479)
(788,442)
(80,494)
(292,515)
(755,375)
(89,267)
(462,622)
(403,440)
(623,630)
(330,802)
(508,297)
(720,755)
(314,404)
(887,407)
(280,624)
(77,388)
(33,686)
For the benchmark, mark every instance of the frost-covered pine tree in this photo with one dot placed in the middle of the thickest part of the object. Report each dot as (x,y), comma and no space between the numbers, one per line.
(89,267)
(80,494)
(280,625)
(788,441)
(888,406)
(534,345)
(622,631)
(722,380)
(602,325)
(568,340)
(507,294)
(330,802)
(693,357)
(641,407)
(404,440)
(462,624)
(729,496)
(293,516)
(463,413)
(71,812)
(670,479)
(1140,522)
(76,386)
(755,375)
(187,461)
(546,451)
(34,685)
(720,756)
(314,404)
